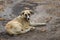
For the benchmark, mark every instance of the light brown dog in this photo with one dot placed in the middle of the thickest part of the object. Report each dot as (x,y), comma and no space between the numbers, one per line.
(20,24)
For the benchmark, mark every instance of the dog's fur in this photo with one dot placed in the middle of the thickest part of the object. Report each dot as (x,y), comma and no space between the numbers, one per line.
(20,24)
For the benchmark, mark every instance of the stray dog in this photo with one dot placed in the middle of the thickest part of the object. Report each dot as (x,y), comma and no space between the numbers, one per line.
(20,24)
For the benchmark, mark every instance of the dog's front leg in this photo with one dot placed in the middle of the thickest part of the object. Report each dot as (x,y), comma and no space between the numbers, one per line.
(37,24)
(32,28)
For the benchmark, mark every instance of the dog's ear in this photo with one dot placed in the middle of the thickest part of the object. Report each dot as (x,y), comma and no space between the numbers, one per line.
(31,12)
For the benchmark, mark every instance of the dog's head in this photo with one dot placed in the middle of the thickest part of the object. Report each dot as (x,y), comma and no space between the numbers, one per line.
(27,13)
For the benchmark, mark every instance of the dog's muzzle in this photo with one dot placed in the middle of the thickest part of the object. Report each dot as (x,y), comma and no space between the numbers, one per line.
(28,17)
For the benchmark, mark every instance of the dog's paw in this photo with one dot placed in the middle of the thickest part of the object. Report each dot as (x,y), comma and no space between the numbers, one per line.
(32,28)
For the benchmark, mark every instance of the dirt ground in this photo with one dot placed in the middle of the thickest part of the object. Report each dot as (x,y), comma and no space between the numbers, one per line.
(45,11)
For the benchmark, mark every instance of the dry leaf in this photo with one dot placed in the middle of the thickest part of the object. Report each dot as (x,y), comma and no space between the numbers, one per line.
(1,8)
(43,29)
(48,19)
(1,19)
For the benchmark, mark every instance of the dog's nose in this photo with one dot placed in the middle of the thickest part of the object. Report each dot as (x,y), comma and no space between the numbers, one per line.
(28,18)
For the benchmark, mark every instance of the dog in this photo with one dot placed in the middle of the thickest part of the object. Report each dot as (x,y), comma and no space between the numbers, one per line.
(20,24)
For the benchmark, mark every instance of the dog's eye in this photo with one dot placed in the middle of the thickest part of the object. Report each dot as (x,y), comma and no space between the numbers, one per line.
(29,14)
(25,15)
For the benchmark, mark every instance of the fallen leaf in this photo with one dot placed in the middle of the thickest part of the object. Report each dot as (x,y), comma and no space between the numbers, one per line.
(43,29)
(48,19)
(1,8)
(1,19)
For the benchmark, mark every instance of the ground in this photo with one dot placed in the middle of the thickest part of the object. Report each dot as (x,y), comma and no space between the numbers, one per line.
(45,11)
